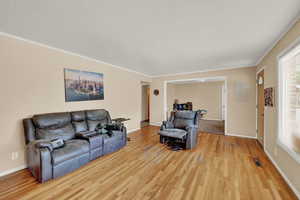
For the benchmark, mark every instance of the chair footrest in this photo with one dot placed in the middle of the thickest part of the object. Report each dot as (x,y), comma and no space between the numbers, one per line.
(174,133)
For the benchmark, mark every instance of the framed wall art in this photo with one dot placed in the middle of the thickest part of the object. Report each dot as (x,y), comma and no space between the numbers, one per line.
(83,85)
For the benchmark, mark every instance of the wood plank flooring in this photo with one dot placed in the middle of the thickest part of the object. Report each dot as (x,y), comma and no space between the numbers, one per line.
(220,168)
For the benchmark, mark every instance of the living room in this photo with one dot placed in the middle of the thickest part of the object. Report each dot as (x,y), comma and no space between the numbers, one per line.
(86,111)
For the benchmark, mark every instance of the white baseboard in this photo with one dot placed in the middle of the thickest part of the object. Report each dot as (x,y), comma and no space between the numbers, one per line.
(283,175)
(133,130)
(242,136)
(12,170)
(155,123)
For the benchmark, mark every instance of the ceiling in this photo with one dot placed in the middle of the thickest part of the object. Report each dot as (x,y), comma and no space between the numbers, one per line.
(154,37)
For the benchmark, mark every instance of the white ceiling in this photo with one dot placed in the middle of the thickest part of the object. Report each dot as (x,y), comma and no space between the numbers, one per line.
(154,37)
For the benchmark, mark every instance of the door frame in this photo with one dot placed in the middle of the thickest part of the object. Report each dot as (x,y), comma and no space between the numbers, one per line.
(256,107)
(217,78)
(148,98)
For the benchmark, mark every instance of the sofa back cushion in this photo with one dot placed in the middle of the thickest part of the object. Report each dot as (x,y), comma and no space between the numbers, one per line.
(79,121)
(183,119)
(54,126)
(96,117)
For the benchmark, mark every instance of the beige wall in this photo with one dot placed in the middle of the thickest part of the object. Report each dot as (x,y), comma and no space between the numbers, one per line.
(170,96)
(32,82)
(241,98)
(288,165)
(206,96)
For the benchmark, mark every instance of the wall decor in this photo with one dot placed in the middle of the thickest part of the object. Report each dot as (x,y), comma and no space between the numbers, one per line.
(269,97)
(156,92)
(83,85)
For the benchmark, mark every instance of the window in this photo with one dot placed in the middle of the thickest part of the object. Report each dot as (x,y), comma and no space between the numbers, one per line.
(289,101)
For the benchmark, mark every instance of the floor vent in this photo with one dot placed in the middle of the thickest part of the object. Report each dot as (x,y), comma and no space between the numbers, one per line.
(257,162)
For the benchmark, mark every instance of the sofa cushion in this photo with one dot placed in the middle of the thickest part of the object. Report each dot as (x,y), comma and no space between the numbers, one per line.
(174,133)
(72,149)
(78,116)
(185,114)
(52,120)
(98,115)
(66,133)
(80,126)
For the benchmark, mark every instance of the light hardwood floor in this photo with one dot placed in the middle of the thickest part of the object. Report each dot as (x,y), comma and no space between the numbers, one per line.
(220,168)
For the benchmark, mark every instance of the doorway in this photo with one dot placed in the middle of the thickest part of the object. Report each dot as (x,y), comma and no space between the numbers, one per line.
(145,109)
(260,111)
(208,93)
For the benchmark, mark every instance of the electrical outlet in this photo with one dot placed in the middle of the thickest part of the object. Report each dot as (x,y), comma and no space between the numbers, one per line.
(14,155)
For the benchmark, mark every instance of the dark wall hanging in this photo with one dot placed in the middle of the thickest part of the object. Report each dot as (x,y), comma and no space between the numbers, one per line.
(269,97)
(156,92)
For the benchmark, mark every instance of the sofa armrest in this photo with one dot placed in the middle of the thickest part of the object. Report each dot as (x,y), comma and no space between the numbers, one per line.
(115,126)
(41,144)
(85,134)
(39,160)
(192,137)
(166,125)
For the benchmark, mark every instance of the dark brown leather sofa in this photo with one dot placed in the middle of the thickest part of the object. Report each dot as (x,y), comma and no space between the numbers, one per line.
(78,133)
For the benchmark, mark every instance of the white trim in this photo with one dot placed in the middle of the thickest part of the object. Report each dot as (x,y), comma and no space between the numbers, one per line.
(242,136)
(133,130)
(285,177)
(288,49)
(207,70)
(292,49)
(256,106)
(155,123)
(212,119)
(217,78)
(262,68)
(287,29)
(10,171)
(71,53)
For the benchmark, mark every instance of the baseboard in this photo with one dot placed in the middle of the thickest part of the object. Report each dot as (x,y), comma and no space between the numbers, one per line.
(133,130)
(297,193)
(12,170)
(155,123)
(212,119)
(242,136)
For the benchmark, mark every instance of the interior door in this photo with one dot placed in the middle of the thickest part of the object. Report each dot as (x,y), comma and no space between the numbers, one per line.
(260,107)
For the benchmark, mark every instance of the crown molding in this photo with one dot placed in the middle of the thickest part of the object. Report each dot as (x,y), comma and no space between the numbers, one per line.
(229,67)
(71,53)
(287,29)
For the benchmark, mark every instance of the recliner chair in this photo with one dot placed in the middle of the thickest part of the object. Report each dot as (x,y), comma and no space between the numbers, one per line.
(80,141)
(182,125)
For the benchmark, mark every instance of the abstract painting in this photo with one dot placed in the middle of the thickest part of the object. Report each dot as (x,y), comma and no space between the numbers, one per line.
(83,85)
